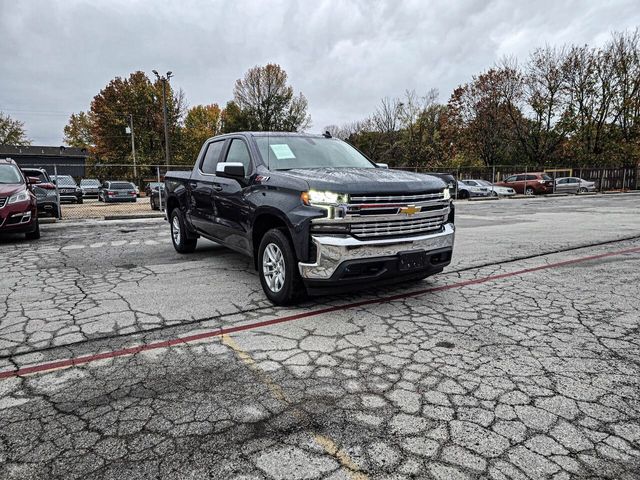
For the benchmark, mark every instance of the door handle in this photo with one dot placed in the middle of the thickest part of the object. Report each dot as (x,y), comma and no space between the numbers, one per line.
(217,187)
(193,184)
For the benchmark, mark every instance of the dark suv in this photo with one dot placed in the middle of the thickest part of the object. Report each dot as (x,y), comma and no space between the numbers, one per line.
(18,206)
(529,183)
(45,191)
(68,189)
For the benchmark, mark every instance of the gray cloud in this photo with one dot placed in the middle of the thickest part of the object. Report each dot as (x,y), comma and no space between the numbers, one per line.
(344,56)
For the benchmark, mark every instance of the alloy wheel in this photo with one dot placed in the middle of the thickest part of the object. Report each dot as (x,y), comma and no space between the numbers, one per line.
(273,267)
(175,230)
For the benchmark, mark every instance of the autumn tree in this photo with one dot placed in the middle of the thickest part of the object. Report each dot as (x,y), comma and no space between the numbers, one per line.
(77,132)
(12,132)
(479,122)
(267,102)
(200,123)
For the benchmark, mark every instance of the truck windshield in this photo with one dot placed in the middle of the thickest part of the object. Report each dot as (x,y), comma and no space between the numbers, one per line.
(287,152)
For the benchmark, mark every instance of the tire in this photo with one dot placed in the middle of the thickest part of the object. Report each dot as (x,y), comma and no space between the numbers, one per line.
(582,190)
(276,252)
(153,204)
(80,201)
(463,194)
(181,242)
(494,193)
(529,191)
(35,235)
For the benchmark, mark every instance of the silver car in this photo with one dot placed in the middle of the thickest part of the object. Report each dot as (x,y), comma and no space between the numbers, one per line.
(90,187)
(494,190)
(574,185)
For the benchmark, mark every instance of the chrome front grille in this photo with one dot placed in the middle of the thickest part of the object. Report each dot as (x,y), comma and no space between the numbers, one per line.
(3,201)
(418,197)
(397,227)
(378,217)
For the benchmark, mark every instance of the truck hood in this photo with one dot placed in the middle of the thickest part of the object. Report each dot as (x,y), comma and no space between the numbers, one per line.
(365,180)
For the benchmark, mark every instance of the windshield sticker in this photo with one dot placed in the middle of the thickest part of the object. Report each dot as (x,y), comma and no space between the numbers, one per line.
(282,151)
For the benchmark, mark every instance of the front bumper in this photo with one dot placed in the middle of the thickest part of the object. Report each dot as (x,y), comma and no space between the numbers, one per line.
(18,221)
(334,251)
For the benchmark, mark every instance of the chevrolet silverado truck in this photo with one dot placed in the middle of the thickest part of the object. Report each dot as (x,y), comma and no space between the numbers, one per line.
(314,213)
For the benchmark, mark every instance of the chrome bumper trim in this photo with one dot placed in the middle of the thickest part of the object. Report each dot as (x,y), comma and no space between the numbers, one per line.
(334,250)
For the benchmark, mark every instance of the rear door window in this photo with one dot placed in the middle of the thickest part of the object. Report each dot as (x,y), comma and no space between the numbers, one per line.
(532,178)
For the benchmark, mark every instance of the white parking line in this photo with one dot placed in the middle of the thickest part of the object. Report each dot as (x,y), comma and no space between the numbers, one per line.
(97,245)
(73,247)
(118,243)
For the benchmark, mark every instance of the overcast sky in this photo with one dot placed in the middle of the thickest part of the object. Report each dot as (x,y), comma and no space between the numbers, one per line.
(343,55)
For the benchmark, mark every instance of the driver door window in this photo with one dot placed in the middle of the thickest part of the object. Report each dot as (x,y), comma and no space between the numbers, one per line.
(239,153)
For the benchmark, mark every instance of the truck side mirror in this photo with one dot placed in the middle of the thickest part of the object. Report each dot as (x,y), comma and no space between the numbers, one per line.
(233,170)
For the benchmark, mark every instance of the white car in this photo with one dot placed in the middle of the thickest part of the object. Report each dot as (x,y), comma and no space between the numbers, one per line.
(494,190)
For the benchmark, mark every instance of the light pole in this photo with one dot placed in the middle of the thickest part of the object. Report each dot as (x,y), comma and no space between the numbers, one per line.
(133,146)
(164,81)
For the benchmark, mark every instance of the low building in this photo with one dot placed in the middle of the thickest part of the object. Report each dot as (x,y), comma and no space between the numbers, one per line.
(64,160)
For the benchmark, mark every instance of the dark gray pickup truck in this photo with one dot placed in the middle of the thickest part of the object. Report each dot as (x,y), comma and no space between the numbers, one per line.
(313,212)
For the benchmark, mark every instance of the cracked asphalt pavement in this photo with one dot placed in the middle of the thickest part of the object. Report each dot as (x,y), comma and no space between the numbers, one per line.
(120,358)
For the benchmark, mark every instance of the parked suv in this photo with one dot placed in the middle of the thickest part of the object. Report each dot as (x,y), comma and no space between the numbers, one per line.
(18,205)
(529,183)
(68,189)
(44,190)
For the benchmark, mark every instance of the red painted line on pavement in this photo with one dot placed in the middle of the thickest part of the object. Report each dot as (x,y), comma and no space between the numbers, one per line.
(71,362)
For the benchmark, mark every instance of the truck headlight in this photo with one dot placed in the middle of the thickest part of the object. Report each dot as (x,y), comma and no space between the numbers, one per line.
(21,196)
(447,193)
(316,197)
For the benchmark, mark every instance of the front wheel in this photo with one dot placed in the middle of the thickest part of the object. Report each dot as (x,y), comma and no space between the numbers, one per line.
(35,234)
(278,269)
(181,242)
(463,194)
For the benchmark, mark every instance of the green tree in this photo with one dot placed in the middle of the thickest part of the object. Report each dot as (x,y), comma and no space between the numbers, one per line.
(12,132)
(234,119)
(267,101)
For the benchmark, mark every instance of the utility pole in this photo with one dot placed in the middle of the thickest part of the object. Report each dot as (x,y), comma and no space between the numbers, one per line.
(133,147)
(164,81)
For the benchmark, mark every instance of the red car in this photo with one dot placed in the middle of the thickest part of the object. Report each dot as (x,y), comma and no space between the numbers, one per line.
(18,205)
(529,183)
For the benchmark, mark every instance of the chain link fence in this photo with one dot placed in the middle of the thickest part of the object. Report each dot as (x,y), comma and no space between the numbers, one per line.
(604,179)
(99,191)
(122,190)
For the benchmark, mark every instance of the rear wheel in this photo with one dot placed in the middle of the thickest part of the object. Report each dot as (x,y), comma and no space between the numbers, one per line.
(35,234)
(181,242)
(529,191)
(278,269)
(582,190)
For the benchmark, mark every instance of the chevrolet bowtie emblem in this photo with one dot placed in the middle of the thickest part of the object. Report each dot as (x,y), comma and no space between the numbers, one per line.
(410,209)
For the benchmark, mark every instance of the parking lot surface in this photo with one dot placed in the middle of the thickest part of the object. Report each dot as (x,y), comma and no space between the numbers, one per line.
(120,358)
